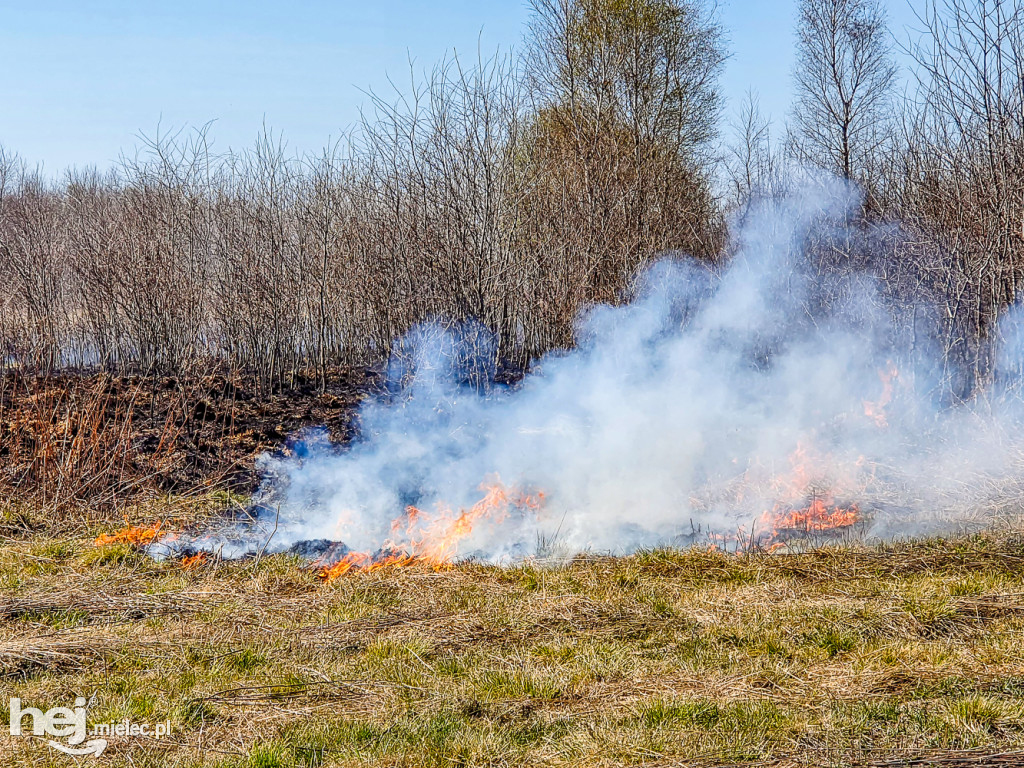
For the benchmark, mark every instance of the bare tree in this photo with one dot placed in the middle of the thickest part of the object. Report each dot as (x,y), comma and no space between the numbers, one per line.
(650,66)
(613,165)
(754,163)
(844,77)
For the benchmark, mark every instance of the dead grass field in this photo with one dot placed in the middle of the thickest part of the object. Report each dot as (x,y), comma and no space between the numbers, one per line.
(847,655)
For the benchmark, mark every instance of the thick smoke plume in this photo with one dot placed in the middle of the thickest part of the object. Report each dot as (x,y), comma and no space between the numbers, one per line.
(711,398)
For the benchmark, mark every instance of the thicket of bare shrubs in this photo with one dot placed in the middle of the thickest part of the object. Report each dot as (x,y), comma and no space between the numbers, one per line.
(941,165)
(518,190)
(507,192)
(960,177)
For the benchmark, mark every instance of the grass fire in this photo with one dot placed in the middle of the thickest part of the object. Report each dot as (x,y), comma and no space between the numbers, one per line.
(581,404)
(678,538)
(701,534)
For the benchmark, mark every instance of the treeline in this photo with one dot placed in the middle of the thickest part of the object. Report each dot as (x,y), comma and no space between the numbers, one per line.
(513,192)
(517,191)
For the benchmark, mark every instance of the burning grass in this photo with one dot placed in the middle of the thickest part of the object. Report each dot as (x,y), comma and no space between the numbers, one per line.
(842,655)
(139,536)
(434,538)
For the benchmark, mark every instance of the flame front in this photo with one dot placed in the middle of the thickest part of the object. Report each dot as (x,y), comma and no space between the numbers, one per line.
(822,514)
(367,563)
(434,539)
(138,536)
(800,504)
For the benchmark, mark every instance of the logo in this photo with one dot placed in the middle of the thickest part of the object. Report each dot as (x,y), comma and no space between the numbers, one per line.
(69,725)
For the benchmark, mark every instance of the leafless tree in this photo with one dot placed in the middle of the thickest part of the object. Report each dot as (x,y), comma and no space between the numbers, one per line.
(650,66)
(613,164)
(844,77)
(754,163)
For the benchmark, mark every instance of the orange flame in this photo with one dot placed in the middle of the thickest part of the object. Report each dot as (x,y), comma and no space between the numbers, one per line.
(194,561)
(805,502)
(434,539)
(822,514)
(367,563)
(876,410)
(138,536)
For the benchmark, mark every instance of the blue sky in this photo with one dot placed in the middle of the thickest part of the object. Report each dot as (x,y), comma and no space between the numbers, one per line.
(80,80)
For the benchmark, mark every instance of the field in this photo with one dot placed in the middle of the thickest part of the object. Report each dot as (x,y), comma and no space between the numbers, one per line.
(900,654)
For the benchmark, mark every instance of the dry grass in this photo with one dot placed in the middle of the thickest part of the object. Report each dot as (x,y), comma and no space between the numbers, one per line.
(836,657)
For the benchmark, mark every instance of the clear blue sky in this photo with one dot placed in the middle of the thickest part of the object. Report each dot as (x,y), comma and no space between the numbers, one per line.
(80,79)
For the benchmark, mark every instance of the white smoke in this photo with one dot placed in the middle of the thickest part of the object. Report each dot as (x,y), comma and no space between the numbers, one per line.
(704,402)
